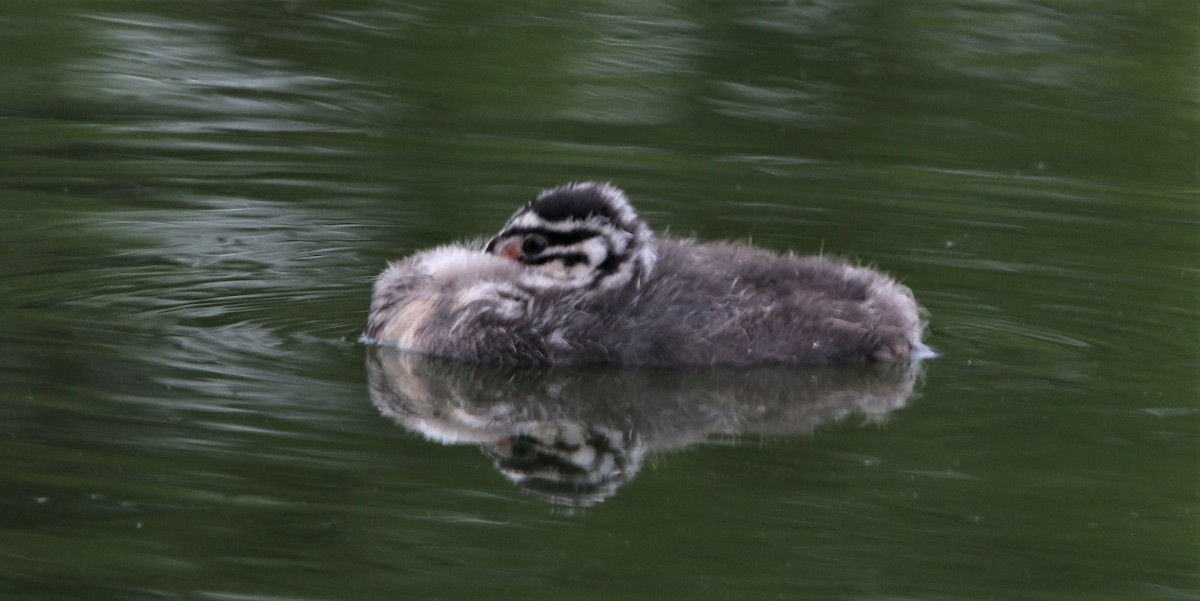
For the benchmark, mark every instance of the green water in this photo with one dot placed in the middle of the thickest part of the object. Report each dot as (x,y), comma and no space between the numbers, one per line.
(195,197)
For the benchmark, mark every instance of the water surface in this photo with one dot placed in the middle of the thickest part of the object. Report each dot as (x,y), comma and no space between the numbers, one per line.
(195,197)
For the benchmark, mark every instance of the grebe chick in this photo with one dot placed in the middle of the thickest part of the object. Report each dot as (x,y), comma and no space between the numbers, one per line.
(577,278)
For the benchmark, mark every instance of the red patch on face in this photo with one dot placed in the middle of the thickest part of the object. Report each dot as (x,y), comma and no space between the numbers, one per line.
(511,251)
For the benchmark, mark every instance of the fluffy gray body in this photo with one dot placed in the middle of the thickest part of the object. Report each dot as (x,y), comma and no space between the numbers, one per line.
(646,301)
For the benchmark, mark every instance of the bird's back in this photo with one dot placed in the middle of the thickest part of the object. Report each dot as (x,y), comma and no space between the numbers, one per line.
(724,304)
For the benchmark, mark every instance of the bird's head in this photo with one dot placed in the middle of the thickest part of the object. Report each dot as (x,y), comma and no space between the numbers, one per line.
(583,235)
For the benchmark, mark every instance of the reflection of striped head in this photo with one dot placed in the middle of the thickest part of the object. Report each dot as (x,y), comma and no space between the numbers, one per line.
(583,235)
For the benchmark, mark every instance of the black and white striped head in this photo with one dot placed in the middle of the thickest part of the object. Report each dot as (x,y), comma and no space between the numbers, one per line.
(584,235)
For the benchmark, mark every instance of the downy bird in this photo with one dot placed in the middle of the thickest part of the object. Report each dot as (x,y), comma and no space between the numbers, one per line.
(577,278)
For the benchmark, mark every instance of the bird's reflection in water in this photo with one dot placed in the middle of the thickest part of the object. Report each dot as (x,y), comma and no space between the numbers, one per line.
(574,436)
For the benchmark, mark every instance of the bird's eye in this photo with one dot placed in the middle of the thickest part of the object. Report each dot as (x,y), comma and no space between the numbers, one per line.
(533,244)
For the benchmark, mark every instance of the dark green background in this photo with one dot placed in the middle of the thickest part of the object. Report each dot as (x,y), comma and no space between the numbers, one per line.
(195,197)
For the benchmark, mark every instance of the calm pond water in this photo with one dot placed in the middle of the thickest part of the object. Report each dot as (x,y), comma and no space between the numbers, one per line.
(195,198)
